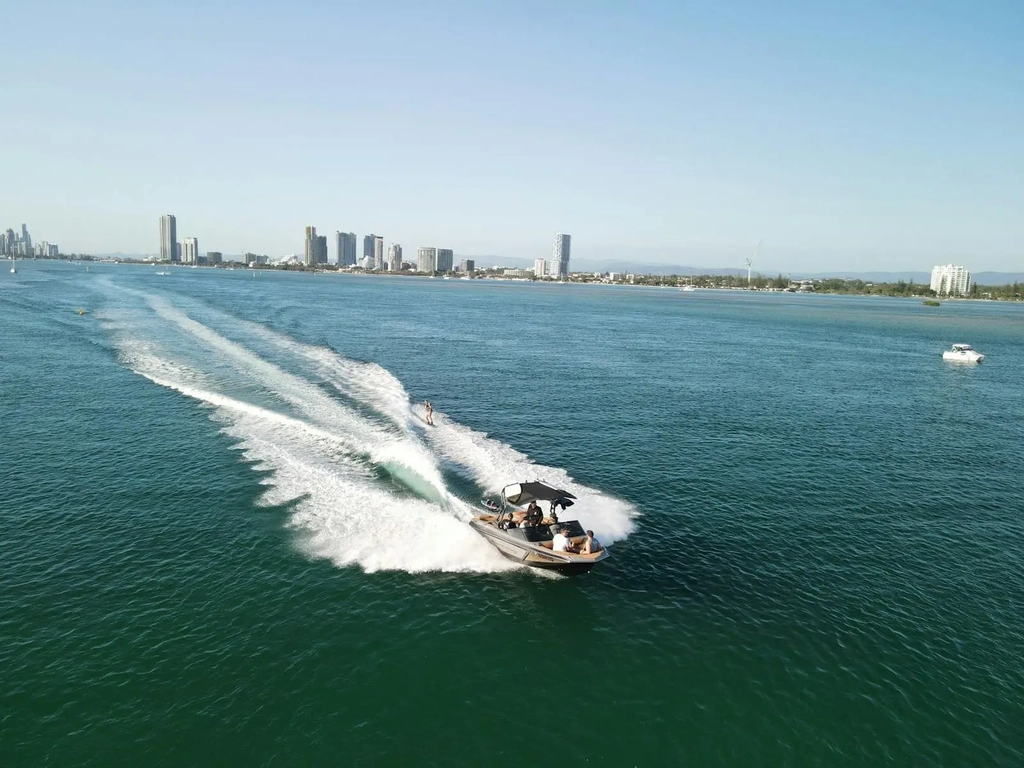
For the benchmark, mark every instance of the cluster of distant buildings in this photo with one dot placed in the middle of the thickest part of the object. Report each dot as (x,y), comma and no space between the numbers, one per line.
(20,244)
(184,252)
(951,280)
(429,259)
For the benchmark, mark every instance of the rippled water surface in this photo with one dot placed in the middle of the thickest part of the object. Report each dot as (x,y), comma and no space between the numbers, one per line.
(229,539)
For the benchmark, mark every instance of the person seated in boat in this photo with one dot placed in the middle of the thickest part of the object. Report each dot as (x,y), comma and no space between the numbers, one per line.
(533,514)
(591,546)
(507,523)
(561,542)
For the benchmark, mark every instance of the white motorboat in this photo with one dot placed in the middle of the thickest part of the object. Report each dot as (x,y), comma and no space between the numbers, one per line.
(963,353)
(529,538)
(14,269)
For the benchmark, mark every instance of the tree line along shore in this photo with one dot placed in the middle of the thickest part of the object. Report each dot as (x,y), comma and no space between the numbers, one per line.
(832,285)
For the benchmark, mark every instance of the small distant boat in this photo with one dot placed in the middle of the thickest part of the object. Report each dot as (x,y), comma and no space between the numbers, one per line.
(162,273)
(14,269)
(963,353)
(81,311)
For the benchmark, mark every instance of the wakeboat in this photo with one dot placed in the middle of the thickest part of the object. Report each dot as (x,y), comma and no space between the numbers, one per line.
(963,353)
(528,537)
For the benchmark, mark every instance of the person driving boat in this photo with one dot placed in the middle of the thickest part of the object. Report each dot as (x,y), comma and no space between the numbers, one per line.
(533,515)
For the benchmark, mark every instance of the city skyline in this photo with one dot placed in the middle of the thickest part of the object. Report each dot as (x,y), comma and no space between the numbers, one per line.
(850,137)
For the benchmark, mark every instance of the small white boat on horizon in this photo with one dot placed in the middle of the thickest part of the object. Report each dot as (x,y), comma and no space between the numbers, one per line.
(963,353)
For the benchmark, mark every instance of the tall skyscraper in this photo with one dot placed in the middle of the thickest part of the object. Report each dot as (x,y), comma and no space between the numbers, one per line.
(345,247)
(539,268)
(368,242)
(190,250)
(426,260)
(321,249)
(168,238)
(394,258)
(951,280)
(467,265)
(309,255)
(560,256)
(445,259)
(378,252)
(347,252)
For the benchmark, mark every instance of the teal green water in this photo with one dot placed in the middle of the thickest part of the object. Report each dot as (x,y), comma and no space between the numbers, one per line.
(228,539)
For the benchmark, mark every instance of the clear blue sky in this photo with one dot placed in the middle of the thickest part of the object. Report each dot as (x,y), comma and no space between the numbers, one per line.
(854,136)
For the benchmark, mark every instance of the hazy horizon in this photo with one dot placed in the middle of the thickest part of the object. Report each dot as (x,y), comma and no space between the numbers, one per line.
(859,138)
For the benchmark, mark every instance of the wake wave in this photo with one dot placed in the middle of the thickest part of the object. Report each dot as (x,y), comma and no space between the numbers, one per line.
(363,475)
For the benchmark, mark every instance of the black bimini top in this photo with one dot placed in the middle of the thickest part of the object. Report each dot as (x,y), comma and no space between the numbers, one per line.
(524,493)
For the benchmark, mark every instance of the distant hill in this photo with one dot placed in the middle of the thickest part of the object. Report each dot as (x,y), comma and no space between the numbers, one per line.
(998,278)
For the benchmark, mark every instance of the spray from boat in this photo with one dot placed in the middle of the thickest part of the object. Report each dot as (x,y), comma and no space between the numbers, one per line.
(341,442)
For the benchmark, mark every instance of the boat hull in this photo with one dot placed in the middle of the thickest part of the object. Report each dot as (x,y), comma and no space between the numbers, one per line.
(533,555)
(958,357)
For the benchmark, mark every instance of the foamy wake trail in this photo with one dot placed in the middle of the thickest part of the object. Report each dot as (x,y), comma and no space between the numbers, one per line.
(383,448)
(340,513)
(489,462)
(323,455)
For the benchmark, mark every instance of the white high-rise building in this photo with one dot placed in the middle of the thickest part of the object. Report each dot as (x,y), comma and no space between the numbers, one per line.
(309,254)
(168,238)
(190,250)
(378,252)
(426,260)
(560,256)
(394,258)
(951,280)
(540,268)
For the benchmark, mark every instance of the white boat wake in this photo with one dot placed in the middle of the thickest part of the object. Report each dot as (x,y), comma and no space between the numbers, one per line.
(340,440)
